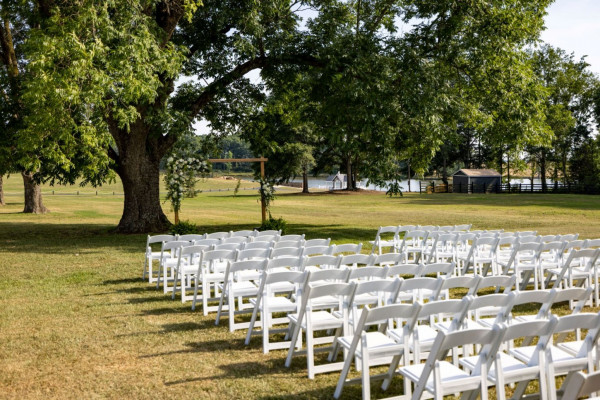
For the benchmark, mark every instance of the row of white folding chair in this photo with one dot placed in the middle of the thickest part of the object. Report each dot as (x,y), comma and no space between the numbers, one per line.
(383,239)
(181,269)
(211,238)
(520,364)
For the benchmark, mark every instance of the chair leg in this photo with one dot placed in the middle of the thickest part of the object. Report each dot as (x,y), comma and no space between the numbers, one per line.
(310,354)
(288,360)
(342,379)
(366,378)
(252,322)
(145,267)
(264,319)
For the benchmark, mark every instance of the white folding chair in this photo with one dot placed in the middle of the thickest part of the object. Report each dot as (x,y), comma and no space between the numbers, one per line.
(505,369)
(550,256)
(314,263)
(169,256)
(286,252)
(356,260)
(191,237)
(217,235)
(258,245)
(387,236)
(150,255)
(317,242)
(295,238)
(440,377)
(346,248)
(316,250)
(581,385)
(271,232)
(185,272)
(308,320)
(288,243)
(273,297)
(481,256)
(443,248)
(237,285)
(243,233)
(210,273)
(579,266)
(252,254)
(364,345)
(413,243)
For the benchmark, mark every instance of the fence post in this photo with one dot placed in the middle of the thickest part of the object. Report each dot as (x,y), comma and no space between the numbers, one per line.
(433,187)
(420,187)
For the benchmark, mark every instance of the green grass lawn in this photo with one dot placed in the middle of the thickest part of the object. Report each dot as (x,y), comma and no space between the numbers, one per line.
(77,321)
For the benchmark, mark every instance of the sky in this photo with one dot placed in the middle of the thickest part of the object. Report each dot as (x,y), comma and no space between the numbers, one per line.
(574,26)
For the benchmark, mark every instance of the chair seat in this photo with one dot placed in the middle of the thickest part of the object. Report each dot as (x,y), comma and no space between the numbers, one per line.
(377,343)
(453,378)
(320,320)
(511,367)
(277,304)
(559,356)
(155,255)
(214,277)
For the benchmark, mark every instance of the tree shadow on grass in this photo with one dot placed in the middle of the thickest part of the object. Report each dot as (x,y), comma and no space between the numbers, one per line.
(57,238)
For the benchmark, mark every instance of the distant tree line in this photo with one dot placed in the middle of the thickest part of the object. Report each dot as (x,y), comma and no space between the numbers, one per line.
(372,87)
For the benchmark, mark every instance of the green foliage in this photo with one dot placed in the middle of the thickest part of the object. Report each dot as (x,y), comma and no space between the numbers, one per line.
(236,191)
(184,228)
(267,193)
(394,189)
(275,224)
(180,178)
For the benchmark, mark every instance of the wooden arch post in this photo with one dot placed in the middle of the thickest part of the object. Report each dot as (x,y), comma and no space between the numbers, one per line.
(262,162)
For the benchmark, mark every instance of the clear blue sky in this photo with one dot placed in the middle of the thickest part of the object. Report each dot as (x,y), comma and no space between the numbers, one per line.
(574,26)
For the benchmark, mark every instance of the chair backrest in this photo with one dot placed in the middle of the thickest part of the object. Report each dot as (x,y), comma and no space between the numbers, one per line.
(190,237)
(346,248)
(573,322)
(427,228)
(462,228)
(406,228)
(317,242)
(235,240)
(288,243)
(229,246)
(356,260)
(526,233)
(507,234)
(249,254)
(322,261)
(500,303)
(387,259)
(529,239)
(243,233)
(578,295)
(159,239)
(580,385)
(493,235)
(286,252)
(440,270)
(266,238)
(469,283)
(257,245)
(291,263)
(207,242)
(569,237)
(170,249)
(446,228)
(435,311)
(549,238)
(543,299)
(217,235)
(403,270)
(216,255)
(367,273)
(342,290)
(295,238)
(393,229)
(316,250)
(234,267)
(414,288)
(506,283)
(330,275)
(270,232)
(591,244)
(386,291)
(194,249)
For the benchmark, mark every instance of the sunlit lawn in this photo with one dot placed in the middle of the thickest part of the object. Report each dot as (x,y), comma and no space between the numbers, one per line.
(76,320)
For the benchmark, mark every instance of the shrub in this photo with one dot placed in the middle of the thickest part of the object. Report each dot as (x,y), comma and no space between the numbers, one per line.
(394,189)
(184,228)
(275,224)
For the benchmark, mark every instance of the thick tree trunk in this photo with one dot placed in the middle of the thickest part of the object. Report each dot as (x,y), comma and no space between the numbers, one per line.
(564,167)
(139,172)
(33,195)
(304,181)
(2,191)
(543,171)
(349,174)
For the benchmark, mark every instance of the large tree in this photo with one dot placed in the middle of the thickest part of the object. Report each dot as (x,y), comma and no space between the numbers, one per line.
(104,72)
(16,19)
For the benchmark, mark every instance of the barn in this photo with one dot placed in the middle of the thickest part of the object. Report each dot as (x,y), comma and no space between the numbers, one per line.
(475,180)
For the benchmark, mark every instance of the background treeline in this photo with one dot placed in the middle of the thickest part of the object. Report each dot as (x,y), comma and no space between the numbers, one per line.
(92,89)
